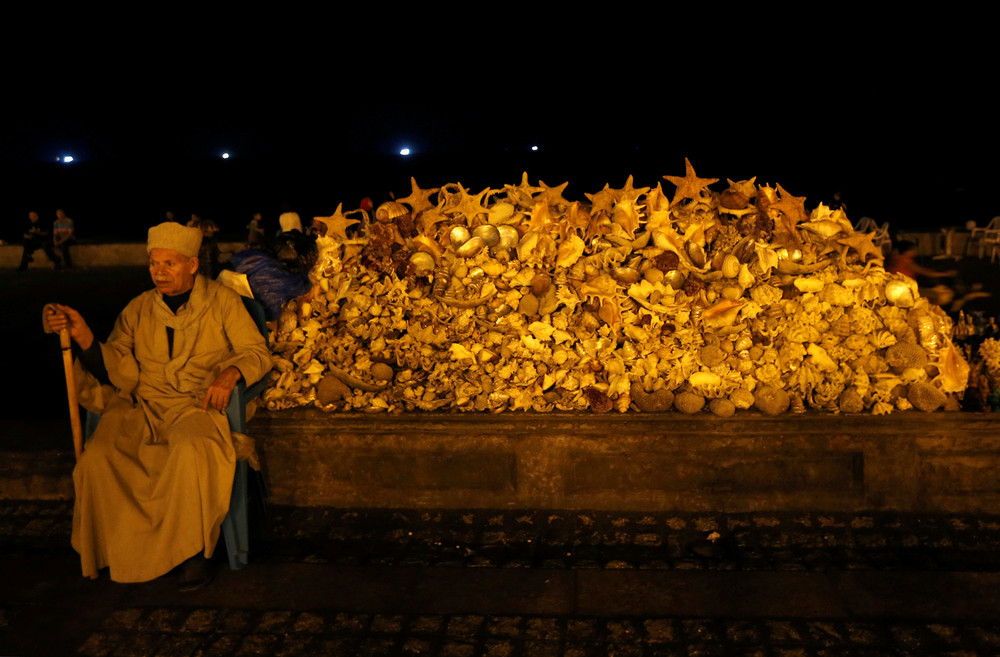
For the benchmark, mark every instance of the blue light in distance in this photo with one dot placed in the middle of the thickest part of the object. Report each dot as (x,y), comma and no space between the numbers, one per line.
(534,148)
(404,151)
(225,156)
(65,159)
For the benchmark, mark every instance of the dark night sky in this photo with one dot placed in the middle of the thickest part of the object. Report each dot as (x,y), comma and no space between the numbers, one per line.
(896,116)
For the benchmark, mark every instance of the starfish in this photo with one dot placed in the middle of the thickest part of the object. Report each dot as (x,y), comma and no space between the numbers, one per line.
(628,192)
(522,194)
(470,205)
(336,224)
(862,244)
(602,201)
(418,200)
(690,185)
(553,195)
(793,209)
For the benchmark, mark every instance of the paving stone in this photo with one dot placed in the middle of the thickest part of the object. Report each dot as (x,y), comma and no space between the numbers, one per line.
(699,630)
(179,646)
(382,624)
(274,622)
(238,621)
(543,628)
(100,644)
(161,620)
(200,620)
(507,626)
(352,623)
(309,622)
(498,648)
(457,649)
(414,646)
(139,645)
(541,648)
(296,645)
(465,627)
(427,625)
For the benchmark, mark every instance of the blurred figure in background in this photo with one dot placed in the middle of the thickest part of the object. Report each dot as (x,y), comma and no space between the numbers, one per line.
(255,237)
(208,255)
(36,237)
(63,236)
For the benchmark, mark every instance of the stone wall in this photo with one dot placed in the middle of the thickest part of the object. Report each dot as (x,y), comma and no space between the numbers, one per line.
(942,462)
(124,254)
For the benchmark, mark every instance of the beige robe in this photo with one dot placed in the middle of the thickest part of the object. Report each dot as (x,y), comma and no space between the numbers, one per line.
(154,481)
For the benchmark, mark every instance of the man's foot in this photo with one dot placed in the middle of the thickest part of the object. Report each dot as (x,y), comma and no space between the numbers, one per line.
(196,572)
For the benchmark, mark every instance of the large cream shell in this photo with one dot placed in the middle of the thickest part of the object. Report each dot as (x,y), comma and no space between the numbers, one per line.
(509,237)
(899,294)
(471,248)
(422,262)
(488,233)
(458,235)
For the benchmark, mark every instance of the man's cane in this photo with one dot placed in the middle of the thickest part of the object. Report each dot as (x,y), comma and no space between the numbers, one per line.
(67,353)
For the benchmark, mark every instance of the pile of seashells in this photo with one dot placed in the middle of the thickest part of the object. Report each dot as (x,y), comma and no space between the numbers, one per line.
(517,299)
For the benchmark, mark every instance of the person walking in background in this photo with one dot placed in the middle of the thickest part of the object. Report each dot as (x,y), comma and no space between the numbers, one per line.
(63,236)
(36,237)
(255,238)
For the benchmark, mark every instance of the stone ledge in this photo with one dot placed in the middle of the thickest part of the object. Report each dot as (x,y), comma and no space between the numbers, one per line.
(942,462)
(98,255)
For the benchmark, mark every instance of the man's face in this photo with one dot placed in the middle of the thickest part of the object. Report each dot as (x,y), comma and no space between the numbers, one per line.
(60,214)
(33,216)
(172,271)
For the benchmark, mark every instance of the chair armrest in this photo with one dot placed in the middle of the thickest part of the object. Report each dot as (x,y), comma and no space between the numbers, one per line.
(242,394)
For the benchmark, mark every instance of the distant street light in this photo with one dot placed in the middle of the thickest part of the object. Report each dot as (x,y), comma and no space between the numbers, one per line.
(404,151)
(534,148)
(225,156)
(65,159)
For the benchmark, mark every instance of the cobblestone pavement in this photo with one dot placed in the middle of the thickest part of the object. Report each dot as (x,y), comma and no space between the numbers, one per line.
(522,583)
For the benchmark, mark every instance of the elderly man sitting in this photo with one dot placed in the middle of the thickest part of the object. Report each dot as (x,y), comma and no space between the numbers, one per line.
(153,485)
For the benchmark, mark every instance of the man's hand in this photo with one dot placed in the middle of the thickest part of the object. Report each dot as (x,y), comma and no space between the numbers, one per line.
(64,317)
(218,393)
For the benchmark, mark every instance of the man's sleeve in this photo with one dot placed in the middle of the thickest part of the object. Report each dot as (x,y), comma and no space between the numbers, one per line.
(251,355)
